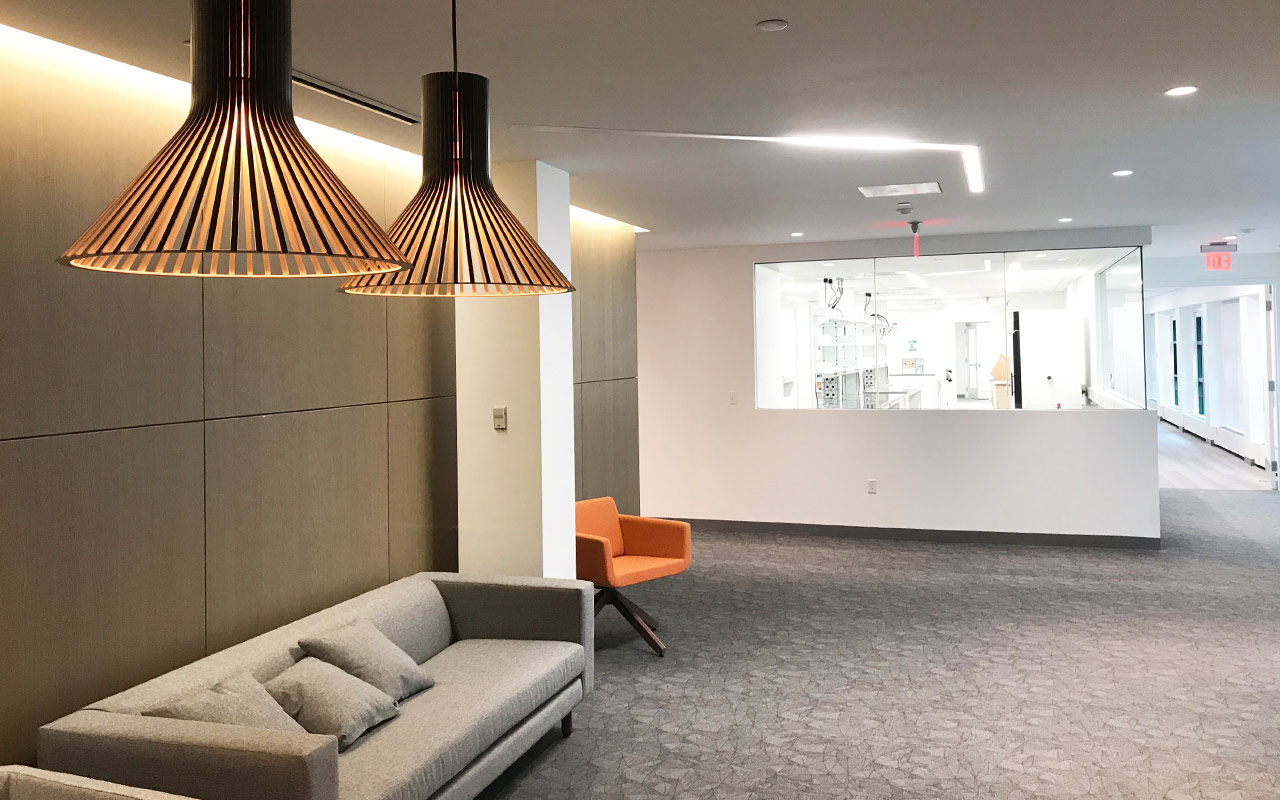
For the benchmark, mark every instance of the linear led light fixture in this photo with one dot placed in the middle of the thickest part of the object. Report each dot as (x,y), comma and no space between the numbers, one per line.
(970,154)
(354,98)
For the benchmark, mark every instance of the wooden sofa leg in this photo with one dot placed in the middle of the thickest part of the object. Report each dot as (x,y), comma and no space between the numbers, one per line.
(637,610)
(566,725)
(646,633)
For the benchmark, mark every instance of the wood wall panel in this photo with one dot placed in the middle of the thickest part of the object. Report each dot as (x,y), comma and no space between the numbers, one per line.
(80,351)
(604,272)
(297,516)
(286,345)
(610,455)
(101,569)
(606,415)
(420,347)
(579,483)
(422,487)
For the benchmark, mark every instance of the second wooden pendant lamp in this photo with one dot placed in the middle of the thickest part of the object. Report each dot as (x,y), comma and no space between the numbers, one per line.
(460,238)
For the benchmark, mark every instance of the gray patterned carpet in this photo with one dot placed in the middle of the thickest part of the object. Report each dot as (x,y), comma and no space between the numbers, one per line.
(809,667)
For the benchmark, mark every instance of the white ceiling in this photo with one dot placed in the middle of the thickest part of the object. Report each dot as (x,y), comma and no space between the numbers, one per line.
(1058,94)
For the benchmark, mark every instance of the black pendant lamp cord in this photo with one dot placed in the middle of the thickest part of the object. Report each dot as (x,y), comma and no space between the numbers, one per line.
(455,42)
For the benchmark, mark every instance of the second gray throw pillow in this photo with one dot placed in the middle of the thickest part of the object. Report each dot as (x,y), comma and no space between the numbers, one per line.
(324,699)
(364,651)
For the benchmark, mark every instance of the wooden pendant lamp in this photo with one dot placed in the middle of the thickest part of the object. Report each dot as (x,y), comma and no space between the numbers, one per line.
(461,239)
(237,191)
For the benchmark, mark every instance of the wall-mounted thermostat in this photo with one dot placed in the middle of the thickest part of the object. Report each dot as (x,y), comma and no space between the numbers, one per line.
(500,418)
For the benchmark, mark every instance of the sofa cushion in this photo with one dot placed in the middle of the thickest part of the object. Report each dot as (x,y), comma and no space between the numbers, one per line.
(483,688)
(362,650)
(238,700)
(630,570)
(324,699)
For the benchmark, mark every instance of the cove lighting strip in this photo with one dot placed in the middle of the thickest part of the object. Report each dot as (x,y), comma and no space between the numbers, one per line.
(970,154)
(31,49)
(584,214)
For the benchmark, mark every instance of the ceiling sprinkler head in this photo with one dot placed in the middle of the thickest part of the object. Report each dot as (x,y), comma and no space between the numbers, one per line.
(905,208)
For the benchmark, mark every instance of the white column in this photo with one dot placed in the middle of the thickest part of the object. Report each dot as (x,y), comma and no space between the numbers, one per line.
(516,487)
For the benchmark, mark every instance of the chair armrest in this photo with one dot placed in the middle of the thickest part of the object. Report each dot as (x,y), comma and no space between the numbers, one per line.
(661,538)
(44,783)
(552,609)
(200,759)
(595,559)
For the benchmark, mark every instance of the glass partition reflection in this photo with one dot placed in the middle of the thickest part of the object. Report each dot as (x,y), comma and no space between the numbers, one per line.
(1120,335)
(978,331)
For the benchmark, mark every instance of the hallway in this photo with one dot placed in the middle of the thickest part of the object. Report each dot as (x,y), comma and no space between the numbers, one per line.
(1187,462)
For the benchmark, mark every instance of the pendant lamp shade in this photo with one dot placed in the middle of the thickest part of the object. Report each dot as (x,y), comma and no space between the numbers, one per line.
(460,238)
(237,191)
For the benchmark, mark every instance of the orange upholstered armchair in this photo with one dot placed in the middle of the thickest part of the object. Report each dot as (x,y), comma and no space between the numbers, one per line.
(617,550)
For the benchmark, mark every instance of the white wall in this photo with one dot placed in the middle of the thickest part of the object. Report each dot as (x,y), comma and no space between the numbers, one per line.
(1052,359)
(516,487)
(1067,472)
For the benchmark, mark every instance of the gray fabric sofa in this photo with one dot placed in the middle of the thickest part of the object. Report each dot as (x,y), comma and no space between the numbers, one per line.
(26,783)
(511,659)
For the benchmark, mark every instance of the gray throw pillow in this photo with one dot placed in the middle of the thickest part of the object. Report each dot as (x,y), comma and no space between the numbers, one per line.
(364,651)
(237,700)
(324,699)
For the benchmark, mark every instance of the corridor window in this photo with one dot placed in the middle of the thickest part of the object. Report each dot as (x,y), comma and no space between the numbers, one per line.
(1200,365)
(939,331)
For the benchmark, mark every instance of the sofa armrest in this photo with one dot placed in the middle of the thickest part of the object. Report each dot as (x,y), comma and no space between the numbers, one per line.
(207,760)
(595,559)
(552,609)
(661,538)
(30,782)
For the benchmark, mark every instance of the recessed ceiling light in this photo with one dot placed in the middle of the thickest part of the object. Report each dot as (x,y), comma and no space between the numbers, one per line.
(1064,219)
(1042,255)
(1122,173)
(772,25)
(798,233)
(1231,238)
(828,264)
(1181,91)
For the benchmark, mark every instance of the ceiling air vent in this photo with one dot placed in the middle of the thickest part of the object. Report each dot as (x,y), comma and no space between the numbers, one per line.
(900,189)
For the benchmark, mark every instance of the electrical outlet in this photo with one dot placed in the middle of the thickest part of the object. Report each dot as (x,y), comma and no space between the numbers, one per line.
(871,486)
